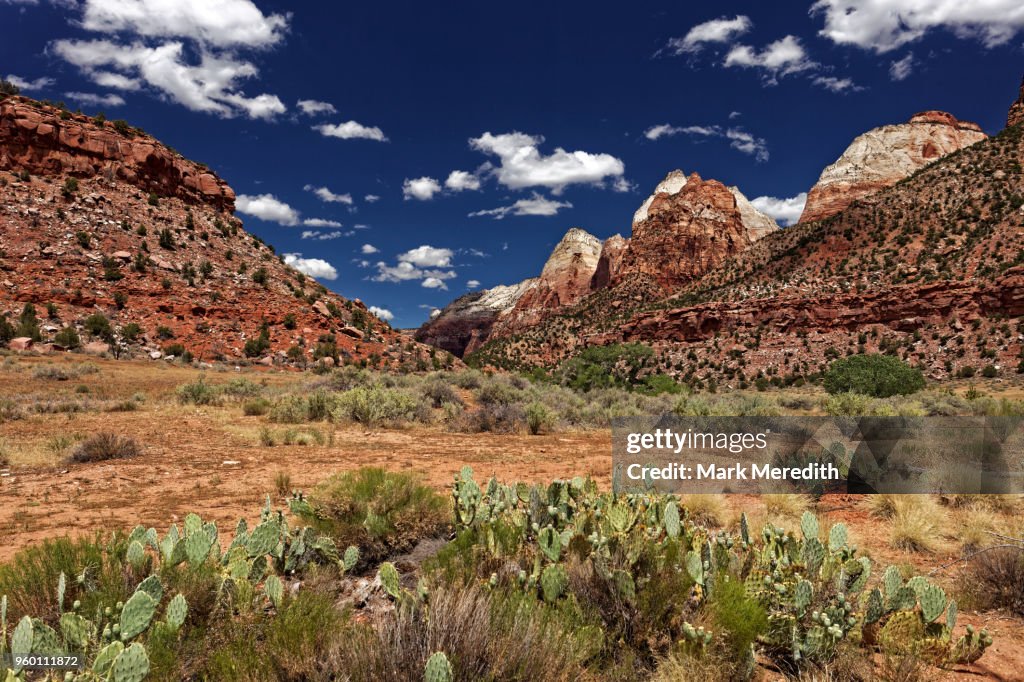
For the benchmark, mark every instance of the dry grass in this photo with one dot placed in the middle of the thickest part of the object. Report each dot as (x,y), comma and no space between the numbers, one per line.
(913,523)
(706,510)
(106,446)
(786,505)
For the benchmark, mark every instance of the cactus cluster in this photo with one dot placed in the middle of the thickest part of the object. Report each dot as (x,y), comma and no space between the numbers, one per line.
(917,618)
(113,638)
(811,583)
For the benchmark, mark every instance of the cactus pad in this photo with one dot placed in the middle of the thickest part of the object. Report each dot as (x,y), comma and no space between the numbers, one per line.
(132,665)
(177,611)
(438,669)
(388,575)
(553,582)
(136,615)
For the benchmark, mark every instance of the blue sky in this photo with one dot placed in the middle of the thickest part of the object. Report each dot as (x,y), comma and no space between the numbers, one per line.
(409,152)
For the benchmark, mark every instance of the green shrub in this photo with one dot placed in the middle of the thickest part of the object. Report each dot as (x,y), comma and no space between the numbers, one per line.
(67,338)
(605,366)
(198,393)
(98,326)
(375,406)
(381,512)
(538,418)
(880,376)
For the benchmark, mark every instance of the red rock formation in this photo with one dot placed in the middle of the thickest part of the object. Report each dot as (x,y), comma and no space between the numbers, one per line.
(883,156)
(903,308)
(43,140)
(1016,115)
(685,234)
(184,270)
(609,263)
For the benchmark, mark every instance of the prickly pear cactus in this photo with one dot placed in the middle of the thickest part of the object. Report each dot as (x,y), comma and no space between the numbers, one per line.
(351,558)
(553,582)
(136,615)
(131,665)
(438,669)
(177,612)
(671,519)
(104,660)
(388,575)
(274,590)
(550,543)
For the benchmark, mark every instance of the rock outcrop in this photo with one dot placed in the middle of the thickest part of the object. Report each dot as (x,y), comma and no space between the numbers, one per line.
(47,141)
(1016,115)
(883,156)
(609,262)
(80,235)
(672,183)
(685,233)
(465,323)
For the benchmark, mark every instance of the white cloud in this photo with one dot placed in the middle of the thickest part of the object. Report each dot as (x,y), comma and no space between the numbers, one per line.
(313,267)
(109,79)
(433,283)
(360,227)
(902,68)
(367,249)
(312,107)
(739,139)
(351,130)
(225,23)
(320,222)
(522,164)
(885,25)
(428,257)
(462,180)
(93,99)
(784,211)
(734,115)
(382,313)
(472,284)
(371,198)
(211,86)
(836,84)
(423,188)
(536,205)
(267,207)
(323,236)
(40,83)
(721,30)
(405,271)
(780,58)
(327,195)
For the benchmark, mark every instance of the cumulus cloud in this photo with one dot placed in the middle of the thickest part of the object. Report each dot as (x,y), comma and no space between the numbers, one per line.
(367,249)
(781,58)
(462,180)
(351,130)
(323,236)
(836,84)
(886,26)
(320,222)
(211,86)
(784,211)
(473,284)
(522,164)
(313,267)
(902,68)
(109,79)
(425,263)
(428,256)
(312,107)
(422,189)
(108,100)
(267,207)
(723,30)
(739,139)
(382,313)
(536,205)
(434,283)
(40,83)
(371,198)
(225,23)
(327,195)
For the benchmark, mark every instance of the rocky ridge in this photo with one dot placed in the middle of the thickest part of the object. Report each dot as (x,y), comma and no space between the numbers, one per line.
(99,219)
(883,156)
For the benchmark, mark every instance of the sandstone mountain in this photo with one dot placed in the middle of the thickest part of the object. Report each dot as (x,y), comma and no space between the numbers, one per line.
(930,268)
(882,157)
(685,228)
(101,222)
(1016,115)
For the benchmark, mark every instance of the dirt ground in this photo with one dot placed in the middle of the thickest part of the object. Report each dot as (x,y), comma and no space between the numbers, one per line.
(210,460)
